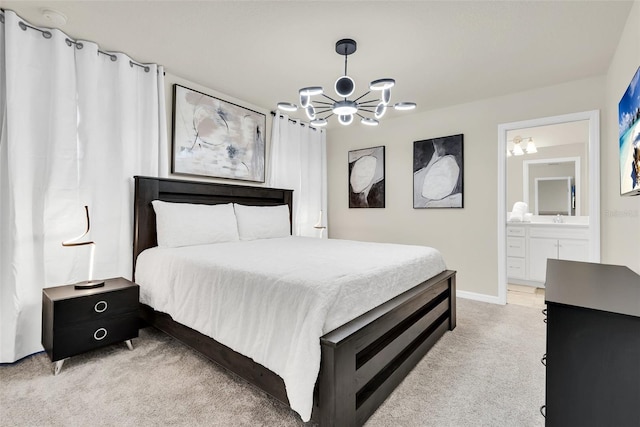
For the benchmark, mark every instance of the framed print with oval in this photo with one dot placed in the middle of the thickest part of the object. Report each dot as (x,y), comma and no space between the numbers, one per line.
(366,178)
(438,173)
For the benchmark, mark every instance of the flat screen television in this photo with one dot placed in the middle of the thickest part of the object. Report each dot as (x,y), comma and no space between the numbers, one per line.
(629,138)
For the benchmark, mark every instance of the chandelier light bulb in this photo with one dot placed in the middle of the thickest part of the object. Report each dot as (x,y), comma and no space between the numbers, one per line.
(345,119)
(318,122)
(344,108)
(305,100)
(345,86)
(369,121)
(287,106)
(404,106)
(311,112)
(311,90)
(382,84)
(386,96)
(380,110)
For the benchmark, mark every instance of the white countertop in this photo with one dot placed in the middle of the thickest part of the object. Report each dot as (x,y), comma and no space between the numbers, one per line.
(547,224)
(548,220)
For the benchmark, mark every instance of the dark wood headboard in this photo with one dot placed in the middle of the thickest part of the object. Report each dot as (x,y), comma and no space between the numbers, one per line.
(148,189)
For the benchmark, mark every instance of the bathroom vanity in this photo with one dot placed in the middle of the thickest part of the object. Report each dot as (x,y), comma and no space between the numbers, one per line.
(530,244)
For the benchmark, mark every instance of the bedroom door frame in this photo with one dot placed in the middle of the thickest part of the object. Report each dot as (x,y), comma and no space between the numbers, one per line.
(593,117)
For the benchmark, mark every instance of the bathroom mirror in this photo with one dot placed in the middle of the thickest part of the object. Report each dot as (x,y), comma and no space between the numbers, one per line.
(553,196)
(539,182)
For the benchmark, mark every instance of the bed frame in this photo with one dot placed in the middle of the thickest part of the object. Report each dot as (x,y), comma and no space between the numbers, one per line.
(362,361)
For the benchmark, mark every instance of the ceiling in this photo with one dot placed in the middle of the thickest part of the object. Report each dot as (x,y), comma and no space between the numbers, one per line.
(441,53)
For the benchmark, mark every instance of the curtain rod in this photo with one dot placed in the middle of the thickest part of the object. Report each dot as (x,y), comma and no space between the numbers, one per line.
(47,35)
(273,113)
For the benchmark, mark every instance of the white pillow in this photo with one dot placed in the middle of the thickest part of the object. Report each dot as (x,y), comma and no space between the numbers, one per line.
(186,224)
(262,222)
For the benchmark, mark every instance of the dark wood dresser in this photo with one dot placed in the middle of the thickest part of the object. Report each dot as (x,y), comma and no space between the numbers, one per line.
(78,320)
(593,345)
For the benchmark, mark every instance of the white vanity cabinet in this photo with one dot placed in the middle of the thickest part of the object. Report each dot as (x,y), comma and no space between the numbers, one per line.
(529,245)
(567,242)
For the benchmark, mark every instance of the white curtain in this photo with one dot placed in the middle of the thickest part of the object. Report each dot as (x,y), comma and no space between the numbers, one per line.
(75,127)
(298,162)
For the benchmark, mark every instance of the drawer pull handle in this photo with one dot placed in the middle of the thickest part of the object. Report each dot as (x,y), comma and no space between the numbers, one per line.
(100,334)
(544,360)
(543,410)
(100,307)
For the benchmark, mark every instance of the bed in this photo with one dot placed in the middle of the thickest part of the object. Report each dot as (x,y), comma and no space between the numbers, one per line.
(361,361)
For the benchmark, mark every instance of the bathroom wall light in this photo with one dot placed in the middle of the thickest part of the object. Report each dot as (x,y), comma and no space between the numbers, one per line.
(517,147)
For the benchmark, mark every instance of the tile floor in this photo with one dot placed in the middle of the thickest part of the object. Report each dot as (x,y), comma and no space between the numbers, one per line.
(525,295)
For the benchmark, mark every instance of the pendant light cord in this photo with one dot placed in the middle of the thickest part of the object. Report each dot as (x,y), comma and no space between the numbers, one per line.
(345,64)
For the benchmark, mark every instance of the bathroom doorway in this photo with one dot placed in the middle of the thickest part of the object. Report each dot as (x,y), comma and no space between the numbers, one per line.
(525,242)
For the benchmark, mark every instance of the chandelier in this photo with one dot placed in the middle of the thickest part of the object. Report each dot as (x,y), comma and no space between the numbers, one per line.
(517,148)
(318,111)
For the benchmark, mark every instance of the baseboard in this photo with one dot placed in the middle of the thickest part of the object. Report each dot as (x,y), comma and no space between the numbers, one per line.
(478,297)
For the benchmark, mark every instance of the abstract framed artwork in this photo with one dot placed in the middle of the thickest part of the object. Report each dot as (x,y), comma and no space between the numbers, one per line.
(366,178)
(438,173)
(216,138)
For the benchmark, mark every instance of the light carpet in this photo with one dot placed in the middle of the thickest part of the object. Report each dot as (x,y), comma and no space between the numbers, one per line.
(486,372)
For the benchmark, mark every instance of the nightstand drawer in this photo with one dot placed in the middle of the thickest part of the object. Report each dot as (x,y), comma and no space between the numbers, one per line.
(94,307)
(80,337)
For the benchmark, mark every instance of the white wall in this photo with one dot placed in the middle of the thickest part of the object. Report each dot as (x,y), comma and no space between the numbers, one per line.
(467,237)
(620,215)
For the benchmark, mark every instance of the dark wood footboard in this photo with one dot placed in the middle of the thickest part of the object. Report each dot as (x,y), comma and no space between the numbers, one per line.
(364,360)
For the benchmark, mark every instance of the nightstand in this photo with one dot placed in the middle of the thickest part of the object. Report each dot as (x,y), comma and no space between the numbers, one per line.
(78,320)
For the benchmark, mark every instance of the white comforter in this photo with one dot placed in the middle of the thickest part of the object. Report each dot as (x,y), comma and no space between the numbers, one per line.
(272,299)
